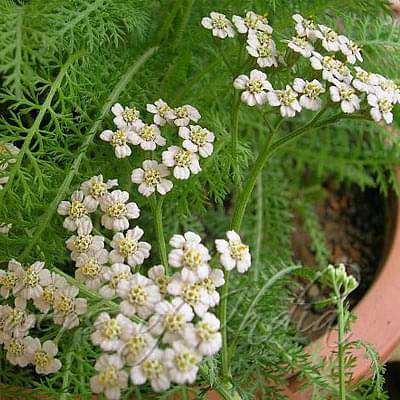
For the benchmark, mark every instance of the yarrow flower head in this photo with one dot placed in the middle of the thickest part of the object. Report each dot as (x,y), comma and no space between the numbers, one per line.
(286,100)
(365,81)
(306,27)
(151,178)
(157,274)
(264,51)
(148,137)
(301,45)
(125,117)
(160,109)
(10,278)
(181,116)
(183,161)
(255,87)
(220,25)
(381,107)
(252,22)
(332,69)
(120,140)
(310,93)
(350,49)
(91,267)
(346,95)
(113,276)
(197,139)
(18,350)
(95,189)
(330,39)
(43,356)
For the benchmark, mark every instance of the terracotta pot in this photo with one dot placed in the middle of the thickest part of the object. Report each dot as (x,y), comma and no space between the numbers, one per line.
(378,315)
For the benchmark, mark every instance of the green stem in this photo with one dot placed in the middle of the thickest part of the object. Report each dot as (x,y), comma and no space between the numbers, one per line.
(156,205)
(235,137)
(223,312)
(341,353)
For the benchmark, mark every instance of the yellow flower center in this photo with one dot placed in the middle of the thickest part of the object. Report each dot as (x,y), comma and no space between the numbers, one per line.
(182,112)
(174,322)
(346,93)
(198,136)
(208,284)
(137,295)
(118,278)
(265,49)
(77,209)
(185,361)
(136,344)
(117,209)
(191,294)
(42,359)
(254,86)
(111,329)
(264,37)
(183,158)
(31,278)
(191,258)
(118,138)
(300,42)
(152,176)
(130,114)
(220,22)
(16,347)
(108,377)
(64,305)
(16,317)
(237,250)
(148,133)
(385,105)
(287,97)
(312,90)
(98,189)
(162,282)
(329,62)
(162,110)
(48,294)
(308,23)
(331,35)
(127,246)
(205,331)
(82,243)
(250,21)
(9,280)
(91,269)
(152,368)
(363,76)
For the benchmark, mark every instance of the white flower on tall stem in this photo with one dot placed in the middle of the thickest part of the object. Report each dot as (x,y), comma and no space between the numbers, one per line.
(191,292)
(197,139)
(301,45)
(91,267)
(148,137)
(205,335)
(107,333)
(136,344)
(170,318)
(140,295)
(382,106)
(152,369)
(255,87)
(350,49)
(68,308)
(330,39)
(151,177)
(252,22)
(310,93)
(111,377)
(182,362)
(183,161)
(128,247)
(332,69)
(18,350)
(113,276)
(15,321)
(265,51)
(125,117)
(220,25)
(286,100)
(10,278)
(190,255)
(306,27)
(76,210)
(158,276)
(346,95)
(31,281)
(117,212)
(233,253)
(214,279)
(181,116)
(45,301)
(43,356)
(84,241)
(119,140)
(95,189)
(159,109)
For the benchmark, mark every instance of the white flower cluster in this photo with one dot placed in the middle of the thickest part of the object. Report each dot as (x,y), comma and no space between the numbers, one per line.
(348,84)
(184,159)
(47,291)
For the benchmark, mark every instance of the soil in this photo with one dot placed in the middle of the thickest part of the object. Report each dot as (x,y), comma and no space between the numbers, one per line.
(354,224)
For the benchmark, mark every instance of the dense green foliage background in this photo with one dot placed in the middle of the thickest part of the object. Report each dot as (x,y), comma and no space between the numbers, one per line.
(60,62)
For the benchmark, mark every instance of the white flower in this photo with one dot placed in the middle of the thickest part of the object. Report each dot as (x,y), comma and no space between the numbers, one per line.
(7,155)
(183,161)
(365,81)
(148,137)
(214,279)
(15,322)
(187,288)
(125,117)
(181,116)
(117,212)
(110,378)
(151,178)
(119,140)
(299,44)
(136,344)
(139,295)
(205,335)
(91,267)
(157,274)
(45,301)
(159,109)
(67,307)
(332,69)
(252,22)
(346,95)
(127,247)
(382,106)
(31,281)
(84,242)
(330,39)
(113,276)
(255,87)
(286,100)
(197,139)
(4,228)
(265,51)
(182,362)
(310,93)
(108,331)
(76,210)
(233,253)
(350,49)
(389,87)
(152,369)
(43,356)
(18,351)
(220,25)
(95,189)
(10,278)
(190,255)
(306,27)
(170,318)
